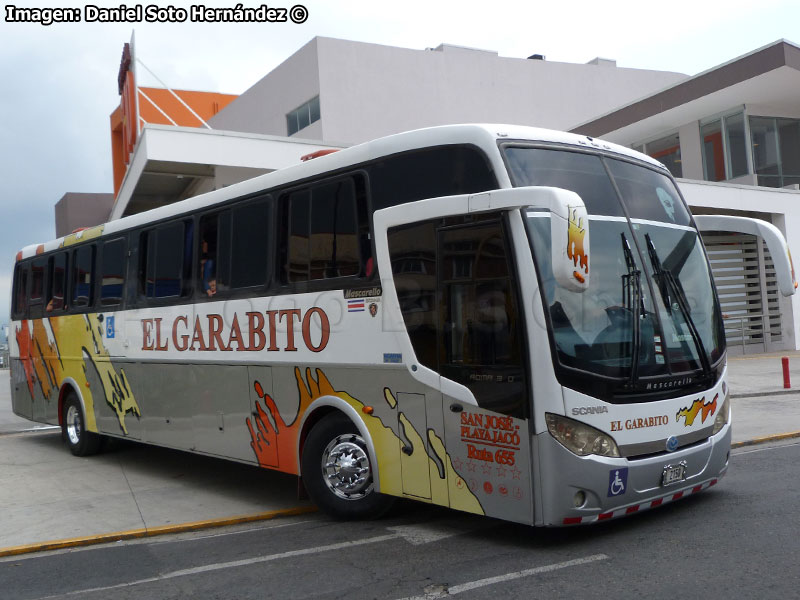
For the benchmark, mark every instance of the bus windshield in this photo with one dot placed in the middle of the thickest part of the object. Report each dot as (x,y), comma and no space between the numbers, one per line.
(650,312)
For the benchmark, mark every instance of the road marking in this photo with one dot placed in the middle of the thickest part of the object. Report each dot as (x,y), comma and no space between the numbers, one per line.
(472,585)
(193,537)
(232,564)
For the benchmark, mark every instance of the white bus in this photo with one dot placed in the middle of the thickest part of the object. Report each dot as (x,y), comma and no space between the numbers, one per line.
(422,316)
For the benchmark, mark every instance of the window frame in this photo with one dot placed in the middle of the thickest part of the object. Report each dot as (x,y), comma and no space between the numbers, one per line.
(726,146)
(21,271)
(187,221)
(293,116)
(229,208)
(73,307)
(364,236)
(51,280)
(126,254)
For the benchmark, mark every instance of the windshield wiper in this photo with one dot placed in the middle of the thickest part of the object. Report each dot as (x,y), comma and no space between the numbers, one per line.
(632,300)
(669,287)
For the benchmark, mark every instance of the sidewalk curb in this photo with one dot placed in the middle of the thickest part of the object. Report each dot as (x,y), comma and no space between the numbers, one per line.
(767,438)
(152,531)
(762,394)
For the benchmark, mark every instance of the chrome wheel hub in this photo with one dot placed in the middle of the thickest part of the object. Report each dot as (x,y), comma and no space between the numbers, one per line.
(345,467)
(73,425)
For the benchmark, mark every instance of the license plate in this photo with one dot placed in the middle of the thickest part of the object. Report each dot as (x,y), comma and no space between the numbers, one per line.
(673,474)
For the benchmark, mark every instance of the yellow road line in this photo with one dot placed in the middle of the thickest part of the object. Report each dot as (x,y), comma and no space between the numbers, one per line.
(132,534)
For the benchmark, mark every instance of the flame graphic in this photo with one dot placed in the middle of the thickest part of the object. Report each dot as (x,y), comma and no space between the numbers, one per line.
(275,442)
(705,409)
(576,233)
(54,349)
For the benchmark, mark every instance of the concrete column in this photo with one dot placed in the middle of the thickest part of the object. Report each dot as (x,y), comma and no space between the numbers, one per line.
(691,151)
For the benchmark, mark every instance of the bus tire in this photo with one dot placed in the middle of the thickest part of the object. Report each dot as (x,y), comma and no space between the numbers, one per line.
(73,429)
(337,471)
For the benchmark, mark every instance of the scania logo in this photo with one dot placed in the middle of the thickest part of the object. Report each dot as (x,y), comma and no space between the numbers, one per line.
(589,410)
(672,443)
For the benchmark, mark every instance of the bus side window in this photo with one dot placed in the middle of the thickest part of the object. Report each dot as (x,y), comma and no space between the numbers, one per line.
(249,244)
(112,272)
(413,256)
(56,294)
(213,253)
(429,173)
(328,232)
(36,296)
(21,291)
(165,264)
(82,279)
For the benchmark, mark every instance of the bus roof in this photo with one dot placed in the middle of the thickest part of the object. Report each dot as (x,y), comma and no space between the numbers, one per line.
(484,136)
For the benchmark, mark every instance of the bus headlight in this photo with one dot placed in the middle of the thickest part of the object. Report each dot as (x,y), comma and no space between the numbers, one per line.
(723,416)
(579,438)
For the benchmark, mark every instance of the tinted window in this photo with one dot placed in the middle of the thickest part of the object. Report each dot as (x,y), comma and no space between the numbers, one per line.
(334,230)
(460,309)
(481,330)
(441,171)
(299,227)
(167,254)
(213,254)
(583,174)
(327,238)
(21,289)
(113,272)
(413,255)
(82,268)
(249,244)
(37,279)
(58,282)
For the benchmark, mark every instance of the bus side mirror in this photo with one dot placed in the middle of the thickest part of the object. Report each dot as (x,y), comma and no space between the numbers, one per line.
(569,235)
(778,248)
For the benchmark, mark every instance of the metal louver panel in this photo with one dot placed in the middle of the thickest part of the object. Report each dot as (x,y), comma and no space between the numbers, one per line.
(748,291)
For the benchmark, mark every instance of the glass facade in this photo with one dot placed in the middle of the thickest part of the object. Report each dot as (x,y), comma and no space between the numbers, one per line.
(776,150)
(666,150)
(724,148)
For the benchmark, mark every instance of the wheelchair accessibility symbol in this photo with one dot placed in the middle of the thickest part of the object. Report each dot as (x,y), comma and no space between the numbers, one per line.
(617,482)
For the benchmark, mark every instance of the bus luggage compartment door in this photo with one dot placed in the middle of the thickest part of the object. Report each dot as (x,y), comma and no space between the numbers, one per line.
(414,449)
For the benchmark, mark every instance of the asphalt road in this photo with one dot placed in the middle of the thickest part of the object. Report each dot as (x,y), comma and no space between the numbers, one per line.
(739,539)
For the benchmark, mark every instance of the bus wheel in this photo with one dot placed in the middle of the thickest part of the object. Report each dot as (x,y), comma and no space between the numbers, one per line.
(337,472)
(73,429)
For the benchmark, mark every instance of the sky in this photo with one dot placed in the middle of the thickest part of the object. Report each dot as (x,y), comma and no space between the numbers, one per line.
(58,82)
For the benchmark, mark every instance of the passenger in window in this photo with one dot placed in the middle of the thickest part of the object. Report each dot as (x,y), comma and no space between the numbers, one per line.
(212,287)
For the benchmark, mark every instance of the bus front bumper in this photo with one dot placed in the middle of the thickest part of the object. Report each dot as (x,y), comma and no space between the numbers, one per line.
(588,489)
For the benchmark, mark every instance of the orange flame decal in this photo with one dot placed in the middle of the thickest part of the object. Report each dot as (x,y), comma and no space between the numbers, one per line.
(273,440)
(699,406)
(576,233)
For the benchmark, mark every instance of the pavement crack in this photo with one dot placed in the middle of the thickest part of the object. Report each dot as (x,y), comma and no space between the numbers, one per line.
(133,494)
